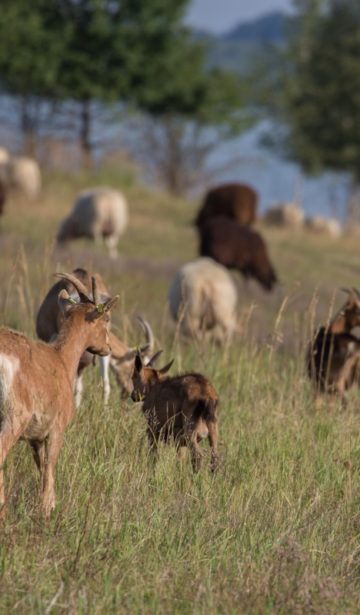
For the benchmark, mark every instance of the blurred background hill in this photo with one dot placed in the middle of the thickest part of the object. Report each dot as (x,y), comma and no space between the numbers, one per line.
(227,113)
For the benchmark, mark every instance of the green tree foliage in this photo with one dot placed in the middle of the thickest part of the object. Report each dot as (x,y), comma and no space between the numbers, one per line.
(137,52)
(321,101)
(29,56)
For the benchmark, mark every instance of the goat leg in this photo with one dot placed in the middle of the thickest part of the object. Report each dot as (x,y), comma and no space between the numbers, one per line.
(52,448)
(213,437)
(196,452)
(8,437)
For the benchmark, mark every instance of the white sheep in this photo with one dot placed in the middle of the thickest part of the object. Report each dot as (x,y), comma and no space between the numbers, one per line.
(287,215)
(323,226)
(4,155)
(24,176)
(203,299)
(97,213)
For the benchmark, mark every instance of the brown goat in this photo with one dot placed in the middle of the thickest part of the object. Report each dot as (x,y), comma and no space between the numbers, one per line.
(182,408)
(121,359)
(237,247)
(333,356)
(37,379)
(236,201)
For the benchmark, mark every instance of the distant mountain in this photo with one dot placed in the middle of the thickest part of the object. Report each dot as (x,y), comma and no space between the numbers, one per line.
(266,29)
(237,49)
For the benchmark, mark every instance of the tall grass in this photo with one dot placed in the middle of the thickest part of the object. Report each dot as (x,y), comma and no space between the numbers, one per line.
(275,531)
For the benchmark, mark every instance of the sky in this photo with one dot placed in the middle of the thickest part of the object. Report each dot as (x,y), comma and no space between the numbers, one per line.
(221,15)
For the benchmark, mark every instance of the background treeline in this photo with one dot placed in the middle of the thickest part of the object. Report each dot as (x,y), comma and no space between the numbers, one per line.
(66,62)
(134,53)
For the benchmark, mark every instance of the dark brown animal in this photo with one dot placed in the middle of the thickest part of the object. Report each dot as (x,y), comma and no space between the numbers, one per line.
(182,408)
(237,247)
(333,356)
(235,201)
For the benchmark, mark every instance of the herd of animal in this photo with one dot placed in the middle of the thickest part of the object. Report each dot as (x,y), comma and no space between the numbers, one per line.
(41,381)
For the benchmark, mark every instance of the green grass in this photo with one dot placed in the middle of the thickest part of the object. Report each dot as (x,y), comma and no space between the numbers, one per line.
(277,529)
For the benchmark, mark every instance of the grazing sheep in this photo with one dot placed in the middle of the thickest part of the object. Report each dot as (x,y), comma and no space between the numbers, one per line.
(24,177)
(236,201)
(287,215)
(237,247)
(323,226)
(98,213)
(203,300)
(333,356)
(4,156)
(182,408)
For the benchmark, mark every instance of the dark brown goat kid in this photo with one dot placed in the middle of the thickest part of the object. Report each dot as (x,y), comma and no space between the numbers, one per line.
(235,201)
(333,356)
(237,247)
(180,408)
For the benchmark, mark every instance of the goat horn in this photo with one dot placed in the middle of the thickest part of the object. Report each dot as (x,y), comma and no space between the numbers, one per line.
(95,293)
(151,361)
(79,286)
(355,290)
(149,336)
(166,367)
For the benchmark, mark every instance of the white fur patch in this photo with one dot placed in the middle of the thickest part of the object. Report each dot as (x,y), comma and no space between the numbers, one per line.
(9,366)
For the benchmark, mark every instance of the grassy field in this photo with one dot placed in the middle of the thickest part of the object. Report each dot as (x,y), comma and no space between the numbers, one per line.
(277,529)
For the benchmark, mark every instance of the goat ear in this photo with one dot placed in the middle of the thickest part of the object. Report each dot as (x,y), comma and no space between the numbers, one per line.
(166,368)
(110,304)
(138,363)
(65,302)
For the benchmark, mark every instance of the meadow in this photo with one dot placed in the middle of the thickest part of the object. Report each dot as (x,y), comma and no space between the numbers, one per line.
(277,529)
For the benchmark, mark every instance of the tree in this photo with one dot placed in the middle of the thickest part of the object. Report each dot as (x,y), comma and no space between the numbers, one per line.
(179,136)
(189,115)
(320,102)
(133,52)
(29,58)
(114,51)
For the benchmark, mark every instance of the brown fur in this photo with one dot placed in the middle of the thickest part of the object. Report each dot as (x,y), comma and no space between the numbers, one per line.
(182,408)
(36,386)
(237,247)
(235,201)
(49,319)
(333,356)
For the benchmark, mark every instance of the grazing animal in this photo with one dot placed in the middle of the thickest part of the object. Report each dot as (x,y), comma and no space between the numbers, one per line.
(37,379)
(25,177)
(20,175)
(286,215)
(237,247)
(333,356)
(182,408)
(121,360)
(203,299)
(236,201)
(99,213)
(323,226)
(4,156)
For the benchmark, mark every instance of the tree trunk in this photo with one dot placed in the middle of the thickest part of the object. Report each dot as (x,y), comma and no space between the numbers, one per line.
(353,204)
(28,128)
(85,131)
